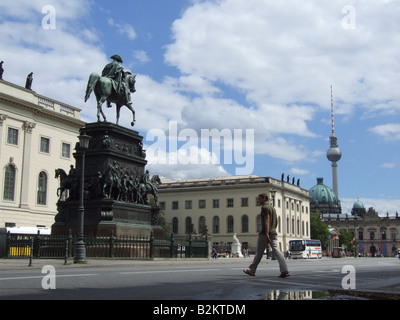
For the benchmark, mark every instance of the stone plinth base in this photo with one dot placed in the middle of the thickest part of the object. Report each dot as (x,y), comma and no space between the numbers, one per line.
(103,217)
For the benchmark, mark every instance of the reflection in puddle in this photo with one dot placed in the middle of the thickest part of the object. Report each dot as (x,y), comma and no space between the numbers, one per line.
(327,295)
(288,295)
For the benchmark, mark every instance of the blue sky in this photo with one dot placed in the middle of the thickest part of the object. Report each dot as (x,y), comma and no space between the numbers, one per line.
(232,65)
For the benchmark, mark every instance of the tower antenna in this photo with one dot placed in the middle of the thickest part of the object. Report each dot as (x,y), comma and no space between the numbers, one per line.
(333,118)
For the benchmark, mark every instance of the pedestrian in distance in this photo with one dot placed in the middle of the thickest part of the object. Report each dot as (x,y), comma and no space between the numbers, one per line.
(268,235)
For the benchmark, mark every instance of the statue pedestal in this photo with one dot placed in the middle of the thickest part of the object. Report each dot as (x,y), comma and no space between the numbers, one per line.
(114,199)
(103,217)
(236,249)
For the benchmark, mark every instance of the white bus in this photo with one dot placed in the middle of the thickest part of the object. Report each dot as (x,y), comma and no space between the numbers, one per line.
(305,249)
(27,230)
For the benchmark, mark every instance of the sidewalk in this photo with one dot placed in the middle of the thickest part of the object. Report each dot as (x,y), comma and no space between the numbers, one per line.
(23,264)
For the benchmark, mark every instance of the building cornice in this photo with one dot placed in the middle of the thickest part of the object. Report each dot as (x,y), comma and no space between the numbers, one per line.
(42,105)
(229,183)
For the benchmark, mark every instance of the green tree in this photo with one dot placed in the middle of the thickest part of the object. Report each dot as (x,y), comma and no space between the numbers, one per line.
(319,230)
(345,238)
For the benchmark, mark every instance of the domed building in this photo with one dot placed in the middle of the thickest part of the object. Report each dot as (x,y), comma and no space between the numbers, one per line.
(374,235)
(323,199)
(358,209)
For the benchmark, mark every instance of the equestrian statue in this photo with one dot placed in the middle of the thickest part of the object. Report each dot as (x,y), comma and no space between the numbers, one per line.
(115,85)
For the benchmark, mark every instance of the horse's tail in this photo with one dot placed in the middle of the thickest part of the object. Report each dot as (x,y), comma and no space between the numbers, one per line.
(94,77)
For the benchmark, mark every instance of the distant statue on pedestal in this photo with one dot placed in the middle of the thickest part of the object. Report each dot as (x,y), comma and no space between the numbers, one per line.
(236,247)
(1,70)
(29,80)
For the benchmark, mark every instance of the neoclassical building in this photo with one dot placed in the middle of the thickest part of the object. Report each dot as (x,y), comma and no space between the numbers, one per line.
(373,234)
(222,207)
(37,136)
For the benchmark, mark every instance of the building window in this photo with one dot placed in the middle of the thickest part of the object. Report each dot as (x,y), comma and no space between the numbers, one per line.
(279,203)
(360,235)
(216,224)
(245,224)
(202,225)
(372,235)
(66,150)
(229,203)
(12,137)
(188,225)
(9,183)
(202,204)
(258,223)
(216,203)
(393,234)
(162,205)
(44,145)
(383,235)
(230,224)
(175,225)
(175,205)
(245,202)
(42,188)
(287,225)
(188,204)
(279,224)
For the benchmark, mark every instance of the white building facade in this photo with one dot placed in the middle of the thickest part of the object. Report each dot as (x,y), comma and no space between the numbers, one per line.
(222,207)
(37,136)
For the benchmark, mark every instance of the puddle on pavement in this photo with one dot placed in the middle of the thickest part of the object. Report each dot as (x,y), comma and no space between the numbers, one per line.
(327,295)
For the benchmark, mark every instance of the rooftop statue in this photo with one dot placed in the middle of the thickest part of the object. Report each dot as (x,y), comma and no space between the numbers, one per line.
(115,85)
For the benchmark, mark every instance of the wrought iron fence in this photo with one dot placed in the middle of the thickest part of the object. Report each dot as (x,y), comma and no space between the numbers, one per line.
(52,246)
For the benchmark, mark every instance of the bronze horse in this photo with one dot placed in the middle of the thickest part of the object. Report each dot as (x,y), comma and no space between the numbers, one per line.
(145,188)
(103,89)
(66,183)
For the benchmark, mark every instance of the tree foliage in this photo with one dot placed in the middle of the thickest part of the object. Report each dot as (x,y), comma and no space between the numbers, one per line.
(319,230)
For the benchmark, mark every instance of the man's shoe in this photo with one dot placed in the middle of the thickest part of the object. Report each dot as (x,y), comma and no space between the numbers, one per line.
(284,274)
(248,271)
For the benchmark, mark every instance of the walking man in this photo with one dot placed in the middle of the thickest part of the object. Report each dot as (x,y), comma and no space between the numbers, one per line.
(268,235)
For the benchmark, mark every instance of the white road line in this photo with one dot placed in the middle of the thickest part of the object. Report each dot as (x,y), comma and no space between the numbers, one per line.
(168,271)
(57,276)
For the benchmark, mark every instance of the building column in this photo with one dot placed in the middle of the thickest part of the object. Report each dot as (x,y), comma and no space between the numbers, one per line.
(26,164)
(3,117)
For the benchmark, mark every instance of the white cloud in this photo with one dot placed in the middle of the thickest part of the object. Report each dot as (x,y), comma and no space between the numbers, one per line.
(298,171)
(185,163)
(124,29)
(287,53)
(382,206)
(388,165)
(390,131)
(141,56)
(61,59)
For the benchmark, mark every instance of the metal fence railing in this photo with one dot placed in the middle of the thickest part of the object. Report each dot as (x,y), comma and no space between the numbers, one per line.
(56,246)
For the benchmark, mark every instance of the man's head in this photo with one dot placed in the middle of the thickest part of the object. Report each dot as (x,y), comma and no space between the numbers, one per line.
(262,198)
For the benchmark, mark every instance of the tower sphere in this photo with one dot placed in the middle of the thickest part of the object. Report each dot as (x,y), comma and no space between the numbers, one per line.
(334,154)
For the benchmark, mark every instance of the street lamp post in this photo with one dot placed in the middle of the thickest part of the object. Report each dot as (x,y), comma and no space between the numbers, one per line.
(80,250)
(273,193)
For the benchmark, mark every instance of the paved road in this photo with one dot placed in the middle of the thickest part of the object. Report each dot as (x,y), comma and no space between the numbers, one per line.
(220,279)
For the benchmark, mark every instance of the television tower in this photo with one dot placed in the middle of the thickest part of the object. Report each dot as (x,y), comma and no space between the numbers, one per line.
(334,154)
